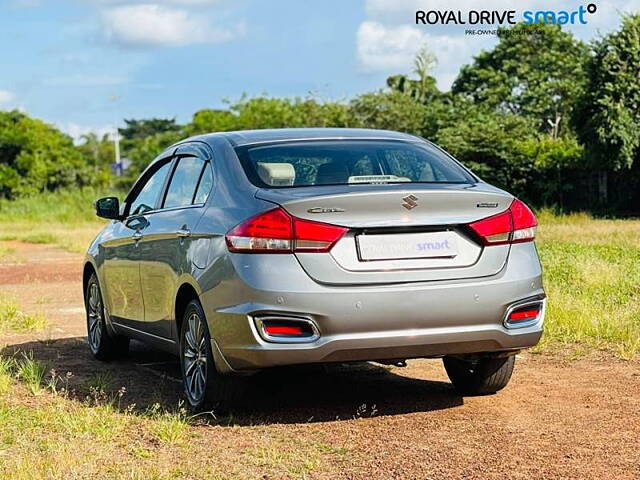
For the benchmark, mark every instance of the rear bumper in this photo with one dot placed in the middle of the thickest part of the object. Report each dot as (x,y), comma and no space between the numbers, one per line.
(369,323)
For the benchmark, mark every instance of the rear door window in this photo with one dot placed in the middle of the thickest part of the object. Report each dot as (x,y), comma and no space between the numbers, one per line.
(204,187)
(184,182)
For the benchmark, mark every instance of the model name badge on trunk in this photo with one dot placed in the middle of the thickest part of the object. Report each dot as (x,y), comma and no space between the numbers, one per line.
(407,245)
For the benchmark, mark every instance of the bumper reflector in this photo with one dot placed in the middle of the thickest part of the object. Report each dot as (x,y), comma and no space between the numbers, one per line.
(524,314)
(283,329)
(286,329)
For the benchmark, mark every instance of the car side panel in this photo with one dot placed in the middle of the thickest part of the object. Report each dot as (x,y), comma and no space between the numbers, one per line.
(164,259)
(121,273)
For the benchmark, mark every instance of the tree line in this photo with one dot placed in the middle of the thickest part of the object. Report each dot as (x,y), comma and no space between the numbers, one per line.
(542,114)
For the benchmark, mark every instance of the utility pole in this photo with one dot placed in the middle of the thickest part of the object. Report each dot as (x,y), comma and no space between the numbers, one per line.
(116,143)
(116,139)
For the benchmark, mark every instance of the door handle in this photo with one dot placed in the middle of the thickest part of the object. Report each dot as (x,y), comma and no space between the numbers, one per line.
(183,232)
(136,236)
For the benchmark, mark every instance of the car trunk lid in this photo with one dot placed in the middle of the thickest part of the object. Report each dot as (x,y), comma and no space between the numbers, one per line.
(398,233)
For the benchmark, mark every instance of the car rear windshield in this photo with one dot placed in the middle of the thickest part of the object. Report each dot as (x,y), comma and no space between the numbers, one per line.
(344,162)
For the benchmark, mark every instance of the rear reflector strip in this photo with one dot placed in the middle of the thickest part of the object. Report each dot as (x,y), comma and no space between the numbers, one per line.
(525,314)
(283,329)
(286,329)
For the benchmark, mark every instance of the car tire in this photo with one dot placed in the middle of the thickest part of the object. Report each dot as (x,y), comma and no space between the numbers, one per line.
(204,387)
(103,345)
(480,376)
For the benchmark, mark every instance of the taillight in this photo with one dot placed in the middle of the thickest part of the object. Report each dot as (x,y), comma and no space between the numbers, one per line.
(517,224)
(276,231)
(524,222)
(271,231)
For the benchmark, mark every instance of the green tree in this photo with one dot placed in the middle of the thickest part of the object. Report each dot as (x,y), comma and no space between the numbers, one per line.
(504,149)
(99,155)
(424,89)
(143,140)
(268,112)
(534,70)
(35,157)
(491,145)
(147,127)
(608,119)
(141,151)
(390,110)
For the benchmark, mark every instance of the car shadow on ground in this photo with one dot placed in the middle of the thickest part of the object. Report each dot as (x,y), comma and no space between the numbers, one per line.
(314,393)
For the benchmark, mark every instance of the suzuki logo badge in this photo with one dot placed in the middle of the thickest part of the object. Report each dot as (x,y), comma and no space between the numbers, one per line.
(410,202)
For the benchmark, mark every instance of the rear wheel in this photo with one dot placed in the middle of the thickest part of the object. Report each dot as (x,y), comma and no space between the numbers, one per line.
(103,346)
(204,387)
(479,376)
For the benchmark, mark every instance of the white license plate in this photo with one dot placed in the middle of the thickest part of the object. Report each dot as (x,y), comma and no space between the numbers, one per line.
(407,245)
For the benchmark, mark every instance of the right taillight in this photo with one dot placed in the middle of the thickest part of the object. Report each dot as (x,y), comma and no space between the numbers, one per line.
(517,224)
(275,231)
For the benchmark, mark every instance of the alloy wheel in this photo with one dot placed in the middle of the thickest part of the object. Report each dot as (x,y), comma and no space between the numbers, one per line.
(194,359)
(95,317)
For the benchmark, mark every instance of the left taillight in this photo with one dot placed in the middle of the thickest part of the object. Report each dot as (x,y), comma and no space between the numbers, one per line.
(516,224)
(275,231)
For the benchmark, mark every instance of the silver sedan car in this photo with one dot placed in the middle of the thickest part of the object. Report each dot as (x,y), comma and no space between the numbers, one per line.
(240,251)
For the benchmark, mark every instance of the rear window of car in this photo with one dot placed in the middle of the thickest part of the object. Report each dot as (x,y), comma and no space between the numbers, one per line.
(344,162)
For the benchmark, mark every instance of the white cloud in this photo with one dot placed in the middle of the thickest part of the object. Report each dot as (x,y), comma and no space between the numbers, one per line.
(6,97)
(155,25)
(392,49)
(387,48)
(385,8)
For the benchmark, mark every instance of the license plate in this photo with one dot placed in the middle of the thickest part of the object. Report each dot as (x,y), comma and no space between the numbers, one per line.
(407,245)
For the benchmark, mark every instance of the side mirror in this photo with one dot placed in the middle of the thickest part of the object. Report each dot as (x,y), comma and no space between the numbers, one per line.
(108,207)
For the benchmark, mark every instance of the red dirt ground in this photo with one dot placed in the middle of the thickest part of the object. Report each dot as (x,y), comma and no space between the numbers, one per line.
(558,418)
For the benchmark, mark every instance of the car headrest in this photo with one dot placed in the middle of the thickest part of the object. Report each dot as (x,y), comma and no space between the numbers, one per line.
(277,174)
(332,172)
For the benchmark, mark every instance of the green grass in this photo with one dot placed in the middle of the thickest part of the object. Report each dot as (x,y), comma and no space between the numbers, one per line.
(13,320)
(32,373)
(168,427)
(65,218)
(6,368)
(48,433)
(6,251)
(70,207)
(592,279)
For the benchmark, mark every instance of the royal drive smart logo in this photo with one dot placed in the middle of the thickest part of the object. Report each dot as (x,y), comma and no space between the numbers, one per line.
(579,16)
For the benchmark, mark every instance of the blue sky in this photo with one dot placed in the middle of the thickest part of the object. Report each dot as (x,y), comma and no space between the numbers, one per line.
(86,64)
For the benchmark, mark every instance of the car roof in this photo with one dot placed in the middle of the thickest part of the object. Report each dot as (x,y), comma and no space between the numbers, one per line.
(248,137)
